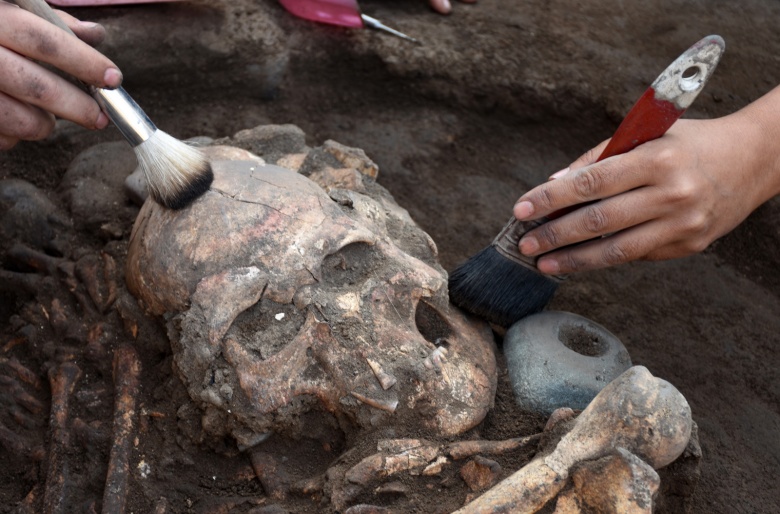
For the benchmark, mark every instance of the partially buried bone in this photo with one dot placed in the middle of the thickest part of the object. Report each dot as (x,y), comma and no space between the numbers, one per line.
(645,415)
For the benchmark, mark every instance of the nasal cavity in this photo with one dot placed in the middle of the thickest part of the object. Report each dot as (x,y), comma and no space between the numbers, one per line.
(433,327)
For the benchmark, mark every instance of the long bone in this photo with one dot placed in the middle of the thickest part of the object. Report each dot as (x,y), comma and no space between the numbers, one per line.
(63,380)
(127,368)
(643,414)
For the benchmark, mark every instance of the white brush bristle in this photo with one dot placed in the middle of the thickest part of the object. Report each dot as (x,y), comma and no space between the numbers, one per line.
(176,173)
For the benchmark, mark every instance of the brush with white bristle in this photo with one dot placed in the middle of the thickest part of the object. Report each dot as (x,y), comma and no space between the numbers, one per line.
(176,173)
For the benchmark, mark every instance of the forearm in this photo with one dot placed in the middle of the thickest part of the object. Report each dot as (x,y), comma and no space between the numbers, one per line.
(759,135)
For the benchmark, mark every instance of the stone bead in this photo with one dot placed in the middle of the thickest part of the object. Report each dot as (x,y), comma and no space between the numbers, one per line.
(560,359)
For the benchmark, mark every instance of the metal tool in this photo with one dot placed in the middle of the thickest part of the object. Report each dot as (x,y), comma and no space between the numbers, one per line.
(344,13)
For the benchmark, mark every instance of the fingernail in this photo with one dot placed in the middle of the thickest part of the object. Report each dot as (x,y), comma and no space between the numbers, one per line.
(548,266)
(446,4)
(112,77)
(529,245)
(559,174)
(102,120)
(88,24)
(523,210)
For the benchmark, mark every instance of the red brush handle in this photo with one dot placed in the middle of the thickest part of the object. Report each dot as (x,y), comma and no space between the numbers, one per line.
(664,101)
(648,119)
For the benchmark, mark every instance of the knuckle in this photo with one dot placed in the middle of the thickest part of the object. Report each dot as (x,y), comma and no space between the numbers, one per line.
(570,263)
(550,235)
(587,183)
(595,221)
(684,191)
(616,253)
(666,159)
(545,198)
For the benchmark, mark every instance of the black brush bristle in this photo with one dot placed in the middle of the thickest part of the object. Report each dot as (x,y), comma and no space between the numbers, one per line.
(198,184)
(498,289)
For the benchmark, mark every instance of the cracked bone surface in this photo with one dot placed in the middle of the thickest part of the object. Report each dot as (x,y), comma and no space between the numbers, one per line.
(637,412)
(284,299)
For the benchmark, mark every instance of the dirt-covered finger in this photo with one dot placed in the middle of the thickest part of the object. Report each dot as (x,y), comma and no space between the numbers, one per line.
(22,121)
(90,32)
(630,245)
(37,39)
(595,220)
(34,85)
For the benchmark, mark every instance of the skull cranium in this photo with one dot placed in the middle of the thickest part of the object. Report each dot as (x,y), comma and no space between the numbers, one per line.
(286,300)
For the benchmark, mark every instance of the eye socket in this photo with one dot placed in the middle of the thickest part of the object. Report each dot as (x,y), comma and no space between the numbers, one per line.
(352,264)
(267,327)
(433,327)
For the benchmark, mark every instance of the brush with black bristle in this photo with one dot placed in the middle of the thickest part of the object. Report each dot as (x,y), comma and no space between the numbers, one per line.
(503,286)
(176,173)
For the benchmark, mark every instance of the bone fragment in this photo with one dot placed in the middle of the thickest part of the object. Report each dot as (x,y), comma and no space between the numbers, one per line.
(11,281)
(98,277)
(127,368)
(385,379)
(24,373)
(14,443)
(63,380)
(275,481)
(464,449)
(396,456)
(22,255)
(480,473)
(636,411)
(620,483)
(10,387)
(385,405)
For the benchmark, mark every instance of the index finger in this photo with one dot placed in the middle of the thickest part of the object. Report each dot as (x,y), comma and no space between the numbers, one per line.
(37,39)
(596,181)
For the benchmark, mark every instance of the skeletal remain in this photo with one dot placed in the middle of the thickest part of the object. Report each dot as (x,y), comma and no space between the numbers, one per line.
(97,274)
(275,481)
(63,380)
(395,456)
(24,373)
(620,483)
(17,444)
(464,449)
(287,299)
(22,255)
(480,473)
(12,281)
(127,368)
(643,414)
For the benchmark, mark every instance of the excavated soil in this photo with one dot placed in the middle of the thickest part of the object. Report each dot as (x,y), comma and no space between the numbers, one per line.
(498,96)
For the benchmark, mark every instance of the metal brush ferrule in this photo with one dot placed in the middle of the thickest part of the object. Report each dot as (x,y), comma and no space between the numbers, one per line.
(126,115)
(507,241)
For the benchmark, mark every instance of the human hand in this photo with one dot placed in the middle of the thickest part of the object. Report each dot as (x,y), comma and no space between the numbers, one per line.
(444,7)
(31,95)
(665,199)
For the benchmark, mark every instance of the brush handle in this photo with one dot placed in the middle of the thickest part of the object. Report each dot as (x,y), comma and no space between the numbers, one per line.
(120,108)
(667,98)
(652,115)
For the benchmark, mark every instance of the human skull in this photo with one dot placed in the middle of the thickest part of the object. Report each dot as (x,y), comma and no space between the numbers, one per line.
(285,300)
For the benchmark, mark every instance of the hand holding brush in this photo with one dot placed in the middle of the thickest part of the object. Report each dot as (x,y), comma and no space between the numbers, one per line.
(31,95)
(176,173)
(503,285)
